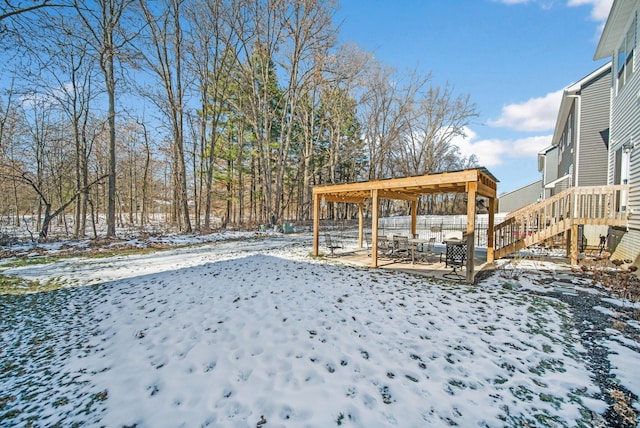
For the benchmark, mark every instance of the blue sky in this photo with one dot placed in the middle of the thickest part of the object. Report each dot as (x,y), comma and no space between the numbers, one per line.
(513,57)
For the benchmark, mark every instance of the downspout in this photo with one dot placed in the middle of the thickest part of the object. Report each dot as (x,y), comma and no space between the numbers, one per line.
(577,138)
(573,245)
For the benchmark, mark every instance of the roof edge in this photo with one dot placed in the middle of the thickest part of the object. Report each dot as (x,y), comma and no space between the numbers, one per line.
(614,28)
(568,95)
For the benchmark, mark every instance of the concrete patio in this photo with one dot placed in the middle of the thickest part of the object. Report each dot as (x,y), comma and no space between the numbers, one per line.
(433,266)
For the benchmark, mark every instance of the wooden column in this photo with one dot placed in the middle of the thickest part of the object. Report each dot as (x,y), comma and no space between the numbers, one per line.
(414,215)
(316,223)
(574,244)
(360,223)
(374,227)
(471,227)
(490,235)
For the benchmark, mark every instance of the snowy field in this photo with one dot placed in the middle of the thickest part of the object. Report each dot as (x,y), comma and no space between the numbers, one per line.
(256,333)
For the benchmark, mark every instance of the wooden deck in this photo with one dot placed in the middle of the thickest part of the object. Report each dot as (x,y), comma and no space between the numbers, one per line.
(561,214)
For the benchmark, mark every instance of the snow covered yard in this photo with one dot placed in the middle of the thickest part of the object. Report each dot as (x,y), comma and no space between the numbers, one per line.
(258,333)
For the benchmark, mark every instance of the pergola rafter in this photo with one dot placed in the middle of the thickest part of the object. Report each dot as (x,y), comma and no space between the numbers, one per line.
(474,182)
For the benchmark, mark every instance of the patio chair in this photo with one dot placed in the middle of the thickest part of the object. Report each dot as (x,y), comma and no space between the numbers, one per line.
(424,251)
(332,246)
(455,258)
(428,249)
(401,249)
(385,246)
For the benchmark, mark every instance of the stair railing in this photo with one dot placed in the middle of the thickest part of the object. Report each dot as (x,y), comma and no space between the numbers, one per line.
(537,222)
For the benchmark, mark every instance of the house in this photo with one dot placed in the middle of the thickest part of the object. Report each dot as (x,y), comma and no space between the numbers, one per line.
(580,143)
(618,41)
(528,194)
(581,136)
(548,166)
(579,146)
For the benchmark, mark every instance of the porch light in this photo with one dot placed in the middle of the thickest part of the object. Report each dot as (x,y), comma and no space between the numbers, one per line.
(628,146)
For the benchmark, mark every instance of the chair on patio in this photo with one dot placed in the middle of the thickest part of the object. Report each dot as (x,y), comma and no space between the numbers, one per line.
(401,248)
(428,249)
(331,245)
(455,257)
(385,246)
(423,251)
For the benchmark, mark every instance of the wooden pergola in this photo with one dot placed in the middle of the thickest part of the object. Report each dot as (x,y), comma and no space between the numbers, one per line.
(474,182)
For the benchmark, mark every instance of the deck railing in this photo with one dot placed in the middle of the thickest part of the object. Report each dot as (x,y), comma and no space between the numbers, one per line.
(534,223)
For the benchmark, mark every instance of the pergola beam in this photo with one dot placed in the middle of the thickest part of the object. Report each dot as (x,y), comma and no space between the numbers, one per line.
(423,182)
(387,194)
(347,199)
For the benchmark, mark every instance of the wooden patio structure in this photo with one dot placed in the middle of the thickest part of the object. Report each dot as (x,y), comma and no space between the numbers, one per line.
(474,182)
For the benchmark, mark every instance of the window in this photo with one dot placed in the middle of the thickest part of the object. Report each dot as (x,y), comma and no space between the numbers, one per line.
(621,175)
(625,55)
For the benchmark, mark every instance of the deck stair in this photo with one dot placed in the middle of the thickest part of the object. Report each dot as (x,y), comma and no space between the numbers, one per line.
(561,213)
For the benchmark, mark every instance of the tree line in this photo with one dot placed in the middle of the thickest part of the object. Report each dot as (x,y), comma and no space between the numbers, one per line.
(215,113)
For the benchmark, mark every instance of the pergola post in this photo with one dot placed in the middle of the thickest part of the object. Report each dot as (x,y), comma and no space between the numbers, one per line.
(316,223)
(374,227)
(490,226)
(360,223)
(414,215)
(471,227)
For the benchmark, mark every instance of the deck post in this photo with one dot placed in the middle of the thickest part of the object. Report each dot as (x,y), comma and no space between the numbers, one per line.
(471,227)
(374,227)
(414,215)
(360,223)
(574,244)
(490,232)
(316,223)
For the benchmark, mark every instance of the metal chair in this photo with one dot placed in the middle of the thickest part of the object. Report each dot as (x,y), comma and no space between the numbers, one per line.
(428,250)
(330,244)
(455,257)
(401,248)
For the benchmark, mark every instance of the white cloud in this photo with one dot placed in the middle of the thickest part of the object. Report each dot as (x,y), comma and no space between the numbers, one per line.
(600,8)
(493,152)
(530,146)
(536,114)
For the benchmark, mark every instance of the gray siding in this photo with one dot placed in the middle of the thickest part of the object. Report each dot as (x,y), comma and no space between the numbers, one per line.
(566,148)
(591,156)
(625,127)
(550,170)
(520,197)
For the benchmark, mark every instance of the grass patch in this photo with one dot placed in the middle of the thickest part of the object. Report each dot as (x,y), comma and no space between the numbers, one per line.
(27,261)
(14,285)
(128,251)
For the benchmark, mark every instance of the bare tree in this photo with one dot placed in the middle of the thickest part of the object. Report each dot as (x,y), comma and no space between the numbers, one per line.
(66,77)
(309,32)
(9,141)
(103,23)
(165,59)
(10,9)
(439,116)
(210,50)
(387,104)
(49,214)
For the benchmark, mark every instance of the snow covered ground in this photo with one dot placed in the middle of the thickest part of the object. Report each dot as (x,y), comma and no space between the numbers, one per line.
(256,333)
